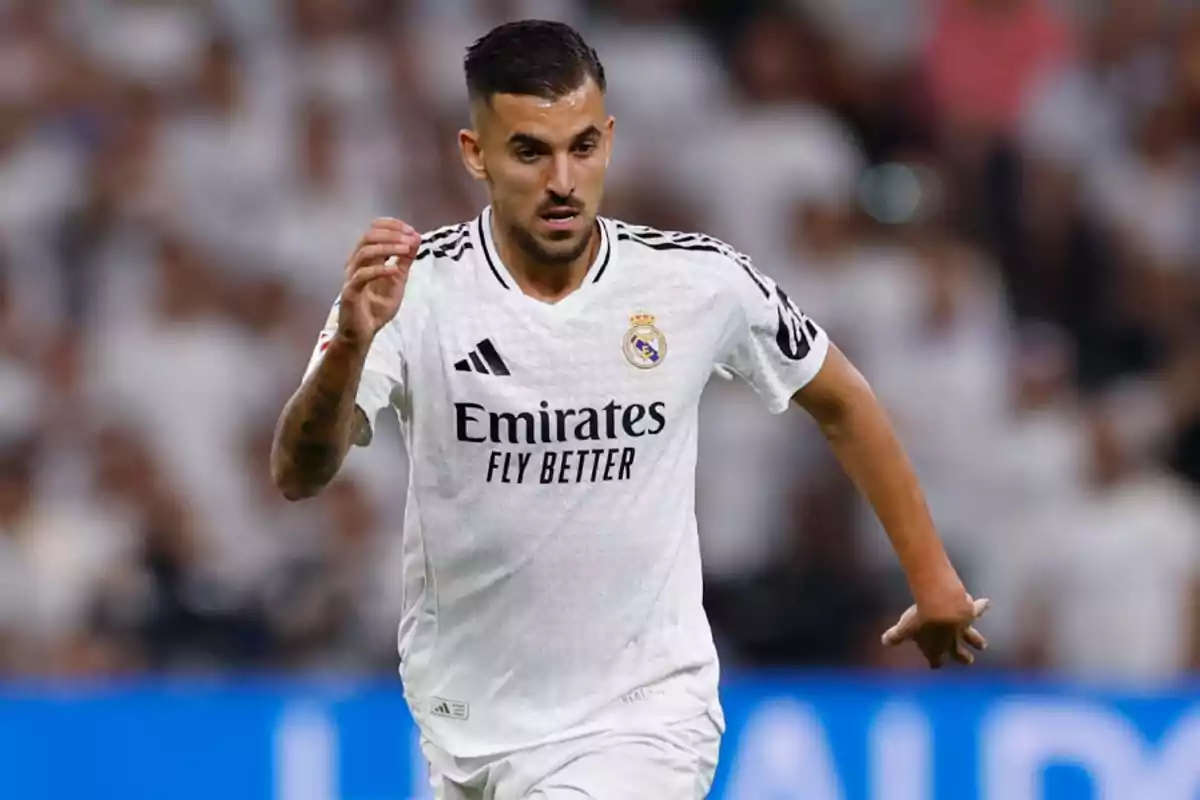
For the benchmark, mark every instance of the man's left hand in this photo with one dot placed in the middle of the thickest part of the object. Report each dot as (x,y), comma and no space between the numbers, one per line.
(942,634)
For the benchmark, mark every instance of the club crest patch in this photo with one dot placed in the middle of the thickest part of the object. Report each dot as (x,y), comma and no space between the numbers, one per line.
(645,346)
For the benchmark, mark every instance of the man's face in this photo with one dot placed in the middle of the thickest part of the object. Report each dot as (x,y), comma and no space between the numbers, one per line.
(544,162)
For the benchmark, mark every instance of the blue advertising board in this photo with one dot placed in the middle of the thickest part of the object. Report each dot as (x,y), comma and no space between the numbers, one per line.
(788,738)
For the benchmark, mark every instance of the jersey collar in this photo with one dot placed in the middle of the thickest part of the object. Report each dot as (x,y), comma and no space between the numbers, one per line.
(491,254)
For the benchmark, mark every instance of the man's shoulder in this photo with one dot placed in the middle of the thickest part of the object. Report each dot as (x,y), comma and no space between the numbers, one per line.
(702,255)
(447,242)
(659,240)
(441,249)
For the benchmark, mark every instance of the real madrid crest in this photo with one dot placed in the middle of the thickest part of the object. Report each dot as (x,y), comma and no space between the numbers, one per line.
(645,346)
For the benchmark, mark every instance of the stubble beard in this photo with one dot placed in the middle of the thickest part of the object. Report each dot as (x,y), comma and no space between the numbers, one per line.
(532,247)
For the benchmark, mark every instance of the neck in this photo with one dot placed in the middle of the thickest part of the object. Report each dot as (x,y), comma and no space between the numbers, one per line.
(548,282)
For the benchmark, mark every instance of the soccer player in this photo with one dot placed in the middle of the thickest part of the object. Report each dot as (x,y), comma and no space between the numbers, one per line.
(546,364)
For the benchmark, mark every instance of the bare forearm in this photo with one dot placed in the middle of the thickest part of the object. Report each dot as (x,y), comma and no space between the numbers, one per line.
(864,442)
(319,423)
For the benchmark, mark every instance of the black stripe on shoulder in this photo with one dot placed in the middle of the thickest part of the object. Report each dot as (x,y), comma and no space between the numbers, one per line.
(444,240)
(648,235)
(683,239)
(463,247)
(656,235)
(444,234)
(696,243)
(453,251)
(701,247)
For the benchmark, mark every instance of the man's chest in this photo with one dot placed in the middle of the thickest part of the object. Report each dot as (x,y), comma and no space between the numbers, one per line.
(569,397)
(644,348)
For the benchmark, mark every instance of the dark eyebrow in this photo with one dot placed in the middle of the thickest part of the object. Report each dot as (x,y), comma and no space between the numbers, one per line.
(590,132)
(531,141)
(528,140)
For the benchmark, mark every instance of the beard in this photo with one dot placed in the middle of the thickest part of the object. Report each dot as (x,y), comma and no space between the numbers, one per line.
(537,251)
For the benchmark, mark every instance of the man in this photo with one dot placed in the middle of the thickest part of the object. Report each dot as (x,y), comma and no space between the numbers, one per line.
(546,364)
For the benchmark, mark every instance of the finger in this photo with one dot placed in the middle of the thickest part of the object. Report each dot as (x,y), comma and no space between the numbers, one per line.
(962,655)
(385,235)
(370,254)
(378,253)
(381,240)
(975,639)
(391,223)
(385,230)
(367,274)
(936,659)
(374,235)
(981,606)
(903,630)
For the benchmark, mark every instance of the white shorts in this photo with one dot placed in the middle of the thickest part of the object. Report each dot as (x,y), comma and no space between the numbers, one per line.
(672,761)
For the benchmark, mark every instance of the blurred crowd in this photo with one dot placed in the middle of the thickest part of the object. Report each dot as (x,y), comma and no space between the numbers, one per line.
(992,205)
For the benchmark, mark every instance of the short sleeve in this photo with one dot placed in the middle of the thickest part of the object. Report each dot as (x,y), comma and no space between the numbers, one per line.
(771,344)
(383,373)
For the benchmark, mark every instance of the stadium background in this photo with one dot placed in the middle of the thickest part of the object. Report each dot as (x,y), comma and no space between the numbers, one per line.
(991,204)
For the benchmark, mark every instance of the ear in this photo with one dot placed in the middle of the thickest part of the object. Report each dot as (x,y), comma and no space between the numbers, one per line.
(610,126)
(472,154)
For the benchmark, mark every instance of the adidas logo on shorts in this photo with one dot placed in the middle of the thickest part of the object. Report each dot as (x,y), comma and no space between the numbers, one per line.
(451,709)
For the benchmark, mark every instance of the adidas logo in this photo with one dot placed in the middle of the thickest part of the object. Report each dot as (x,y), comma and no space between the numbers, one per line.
(454,709)
(483,359)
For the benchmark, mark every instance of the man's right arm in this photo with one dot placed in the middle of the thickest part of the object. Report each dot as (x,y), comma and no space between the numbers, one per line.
(320,422)
(322,419)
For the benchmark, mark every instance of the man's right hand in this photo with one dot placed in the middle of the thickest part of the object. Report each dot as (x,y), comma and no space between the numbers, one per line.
(374,285)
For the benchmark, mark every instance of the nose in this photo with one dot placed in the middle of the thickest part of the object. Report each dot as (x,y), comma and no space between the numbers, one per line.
(562,180)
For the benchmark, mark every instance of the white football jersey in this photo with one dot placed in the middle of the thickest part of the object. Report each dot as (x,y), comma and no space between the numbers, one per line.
(552,566)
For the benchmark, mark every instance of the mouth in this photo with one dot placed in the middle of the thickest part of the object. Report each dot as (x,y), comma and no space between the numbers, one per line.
(560,218)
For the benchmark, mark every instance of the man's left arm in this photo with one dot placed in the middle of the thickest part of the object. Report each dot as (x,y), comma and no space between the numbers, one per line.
(789,360)
(862,438)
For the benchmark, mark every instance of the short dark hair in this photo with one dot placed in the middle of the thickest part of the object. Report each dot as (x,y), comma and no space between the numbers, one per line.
(530,57)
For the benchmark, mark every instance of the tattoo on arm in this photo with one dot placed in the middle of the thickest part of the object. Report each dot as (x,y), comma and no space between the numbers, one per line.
(319,424)
(315,450)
